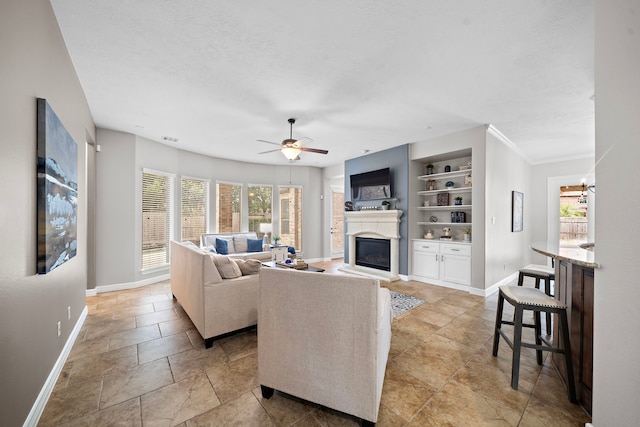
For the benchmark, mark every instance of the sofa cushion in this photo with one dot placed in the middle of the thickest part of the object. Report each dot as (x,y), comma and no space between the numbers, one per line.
(240,243)
(227,267)
(248,266)
(224,246)
(254,245)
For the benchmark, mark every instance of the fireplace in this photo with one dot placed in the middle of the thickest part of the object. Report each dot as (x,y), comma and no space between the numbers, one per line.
(373,253)
(380,232)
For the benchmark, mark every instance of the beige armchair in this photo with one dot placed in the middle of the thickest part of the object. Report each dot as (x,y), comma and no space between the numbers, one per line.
(324,338)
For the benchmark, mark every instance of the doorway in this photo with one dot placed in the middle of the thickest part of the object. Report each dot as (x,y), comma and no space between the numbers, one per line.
(574,215)
(337,222)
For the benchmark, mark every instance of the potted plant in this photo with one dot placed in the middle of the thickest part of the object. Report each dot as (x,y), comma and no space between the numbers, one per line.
(458,201)
(385,205)
(466,234)
(276,239)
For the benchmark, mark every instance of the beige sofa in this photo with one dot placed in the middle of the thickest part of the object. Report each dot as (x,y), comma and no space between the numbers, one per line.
(324,338)
(237,245)
(215,305)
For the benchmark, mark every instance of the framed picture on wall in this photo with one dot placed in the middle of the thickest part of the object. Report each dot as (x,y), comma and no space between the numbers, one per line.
(57,182)
(517,210)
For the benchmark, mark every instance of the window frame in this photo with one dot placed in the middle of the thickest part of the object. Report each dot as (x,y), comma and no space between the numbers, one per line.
(206,203)
(240,208)
(297,212)
(169,230)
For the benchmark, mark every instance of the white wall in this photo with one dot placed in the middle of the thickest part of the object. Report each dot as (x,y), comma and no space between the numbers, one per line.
(616,382)
(120,164)
(505,251)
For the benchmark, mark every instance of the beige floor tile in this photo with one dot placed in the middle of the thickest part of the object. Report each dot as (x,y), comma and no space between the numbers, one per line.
(124,385)
(172,327)
(244,410)
(155,317)
(234,378)
(83,348)
(240,345)
(196,361)
(105,327)
(434,361)
(178,402)
(69,403)
(284,409)
(125,414)
(478,410)
(162,347)
(133,336)
(404,394)
(104,363)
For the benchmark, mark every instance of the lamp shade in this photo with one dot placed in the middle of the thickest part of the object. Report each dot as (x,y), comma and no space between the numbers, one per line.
(291,153)
(266,228)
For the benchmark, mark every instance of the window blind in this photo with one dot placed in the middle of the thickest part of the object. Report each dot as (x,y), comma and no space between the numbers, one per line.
(157,189)
(194,199)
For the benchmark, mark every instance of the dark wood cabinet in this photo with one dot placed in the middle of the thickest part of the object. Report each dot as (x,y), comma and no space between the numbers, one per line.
(574,287)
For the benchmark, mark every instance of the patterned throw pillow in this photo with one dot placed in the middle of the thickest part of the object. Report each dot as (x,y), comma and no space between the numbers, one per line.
(254,245)
(248,266)
(226,266)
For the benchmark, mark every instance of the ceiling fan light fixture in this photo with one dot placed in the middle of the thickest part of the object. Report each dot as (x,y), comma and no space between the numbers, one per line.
(291,153)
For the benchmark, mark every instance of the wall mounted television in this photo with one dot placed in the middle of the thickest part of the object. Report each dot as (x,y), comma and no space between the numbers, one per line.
(374,185)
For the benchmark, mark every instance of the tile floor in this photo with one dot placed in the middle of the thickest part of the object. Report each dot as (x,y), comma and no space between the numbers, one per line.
(139,361)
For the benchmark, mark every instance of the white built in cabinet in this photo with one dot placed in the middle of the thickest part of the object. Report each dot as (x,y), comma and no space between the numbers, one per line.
(442,263)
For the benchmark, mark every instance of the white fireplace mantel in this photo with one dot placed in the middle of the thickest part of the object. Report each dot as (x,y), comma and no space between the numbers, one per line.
(382,224)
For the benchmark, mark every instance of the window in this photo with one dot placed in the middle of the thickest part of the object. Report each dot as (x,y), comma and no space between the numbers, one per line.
(157,196)
(291,217)
(194,200)
(228,208)
(260,199)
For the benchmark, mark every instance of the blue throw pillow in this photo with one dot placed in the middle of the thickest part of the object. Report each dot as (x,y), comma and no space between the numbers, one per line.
(222,246)
(254,245)
(291,250)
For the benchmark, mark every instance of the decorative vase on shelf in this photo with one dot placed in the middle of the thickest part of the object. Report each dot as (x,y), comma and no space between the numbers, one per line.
(458,201)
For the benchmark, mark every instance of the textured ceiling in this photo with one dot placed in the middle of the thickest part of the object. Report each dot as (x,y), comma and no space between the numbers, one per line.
(357,75)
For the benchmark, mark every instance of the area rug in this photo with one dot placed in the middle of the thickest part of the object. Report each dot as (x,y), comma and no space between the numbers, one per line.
(401,303)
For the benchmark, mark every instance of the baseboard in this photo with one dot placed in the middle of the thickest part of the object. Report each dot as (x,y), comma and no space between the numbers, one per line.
(510,279)
(129,285)
(49,384)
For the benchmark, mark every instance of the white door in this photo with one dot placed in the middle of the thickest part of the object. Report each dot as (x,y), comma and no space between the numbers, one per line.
(426,259)
(337,223)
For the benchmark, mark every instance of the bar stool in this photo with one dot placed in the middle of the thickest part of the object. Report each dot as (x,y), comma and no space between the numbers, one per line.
(533,299)
(539,272)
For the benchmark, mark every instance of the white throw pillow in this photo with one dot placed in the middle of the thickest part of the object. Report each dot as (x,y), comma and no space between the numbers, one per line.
(226,266)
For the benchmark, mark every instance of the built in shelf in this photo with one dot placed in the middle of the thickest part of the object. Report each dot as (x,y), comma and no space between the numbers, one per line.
(444,175)
(445,208)
(445,190)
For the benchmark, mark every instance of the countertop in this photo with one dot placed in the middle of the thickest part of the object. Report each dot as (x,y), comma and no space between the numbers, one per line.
(574,255)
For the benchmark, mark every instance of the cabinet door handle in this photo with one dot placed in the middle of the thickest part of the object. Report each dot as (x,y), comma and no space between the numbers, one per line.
(455,250)
(436,257)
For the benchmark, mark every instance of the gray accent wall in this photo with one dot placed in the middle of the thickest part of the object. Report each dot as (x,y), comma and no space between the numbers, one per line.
(34,63)
(397,159)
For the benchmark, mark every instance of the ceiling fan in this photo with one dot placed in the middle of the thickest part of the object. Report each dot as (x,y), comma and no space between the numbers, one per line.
(291,148)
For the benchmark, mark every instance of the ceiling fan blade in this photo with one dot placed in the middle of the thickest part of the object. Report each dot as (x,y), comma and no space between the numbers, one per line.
(269,142)
(314,150)
(302,141)
(270,151)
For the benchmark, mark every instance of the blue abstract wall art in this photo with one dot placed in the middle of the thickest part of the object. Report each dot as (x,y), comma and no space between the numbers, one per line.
(57,191)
